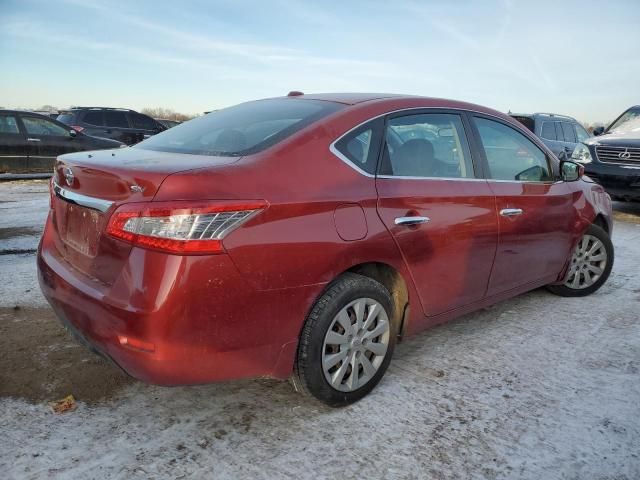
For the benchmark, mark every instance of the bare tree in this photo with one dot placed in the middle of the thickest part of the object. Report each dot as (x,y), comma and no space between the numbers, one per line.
(167,114)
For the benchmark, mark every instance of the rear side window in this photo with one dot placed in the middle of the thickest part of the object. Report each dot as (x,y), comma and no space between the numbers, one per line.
(142,121)
(362,145)
(8,124)
(510,155)
(94,118)
(113,118)
(427,145)
(569,133)
(243,129)
(548,131)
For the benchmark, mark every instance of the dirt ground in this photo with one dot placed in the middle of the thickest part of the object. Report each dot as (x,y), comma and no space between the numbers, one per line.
(535,387)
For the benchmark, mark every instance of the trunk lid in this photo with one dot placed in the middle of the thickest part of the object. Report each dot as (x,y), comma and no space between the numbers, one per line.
(91,185)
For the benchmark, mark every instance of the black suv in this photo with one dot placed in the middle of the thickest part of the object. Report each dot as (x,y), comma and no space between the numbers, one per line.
(30,142)
(126,126)
(612,158)
(558,132)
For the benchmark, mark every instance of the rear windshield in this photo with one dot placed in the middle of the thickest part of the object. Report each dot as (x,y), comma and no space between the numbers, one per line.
(526,121)
(65,118)
(241,130)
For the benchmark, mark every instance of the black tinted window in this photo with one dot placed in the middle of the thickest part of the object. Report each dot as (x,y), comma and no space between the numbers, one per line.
(548,131)
(511,155)
(569,133)
(93,118)
(243,129)
(113,118)
(142,121)
(559,132)
(362,146)
(8,124)
(427,145)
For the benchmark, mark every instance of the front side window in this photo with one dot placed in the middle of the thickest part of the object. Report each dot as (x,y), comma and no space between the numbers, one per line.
(8,124)
(549,131)
(42,126)
(362,145)
(581,133)
(510,155)
(243,129)
(569,133)
(427,145)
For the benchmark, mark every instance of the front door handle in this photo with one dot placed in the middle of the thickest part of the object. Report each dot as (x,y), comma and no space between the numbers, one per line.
(408,221)
(510,212)
(34,140)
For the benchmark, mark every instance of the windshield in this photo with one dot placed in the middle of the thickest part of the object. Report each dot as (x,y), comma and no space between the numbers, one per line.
(241,130)
(631,114)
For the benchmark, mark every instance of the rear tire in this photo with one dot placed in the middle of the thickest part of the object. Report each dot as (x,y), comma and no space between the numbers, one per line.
(591,263)
(347,341)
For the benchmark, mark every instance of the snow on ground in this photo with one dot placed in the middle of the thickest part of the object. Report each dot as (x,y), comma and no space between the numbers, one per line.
(537,387)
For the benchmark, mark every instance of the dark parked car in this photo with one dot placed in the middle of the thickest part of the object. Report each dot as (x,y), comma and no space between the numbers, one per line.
(30,142)
(558,132)
(126,126)
(301,236)
(612,158)
(168,123)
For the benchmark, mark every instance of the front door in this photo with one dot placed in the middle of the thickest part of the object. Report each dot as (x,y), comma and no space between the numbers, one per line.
(46,140)
(13,148)
(535,210)
(441,215)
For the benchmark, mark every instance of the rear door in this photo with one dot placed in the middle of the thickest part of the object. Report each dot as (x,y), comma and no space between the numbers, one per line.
(441,213)
(549,136)
(535,211)
(13,144)
(117,126)
(46,140)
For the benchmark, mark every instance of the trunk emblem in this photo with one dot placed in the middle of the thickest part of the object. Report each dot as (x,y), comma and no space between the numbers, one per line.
(69,176)
(136,188)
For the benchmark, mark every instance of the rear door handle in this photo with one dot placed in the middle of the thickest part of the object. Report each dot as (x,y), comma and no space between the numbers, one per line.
(408,221)
(510,212)
(34,140)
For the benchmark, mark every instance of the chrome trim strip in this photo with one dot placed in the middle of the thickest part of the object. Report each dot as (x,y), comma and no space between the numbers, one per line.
(408,177)
(337,153)
(82,200)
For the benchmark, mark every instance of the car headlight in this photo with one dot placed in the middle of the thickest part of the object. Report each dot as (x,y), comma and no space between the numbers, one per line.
(581,154)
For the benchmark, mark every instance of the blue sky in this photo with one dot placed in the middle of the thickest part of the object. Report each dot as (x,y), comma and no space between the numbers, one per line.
(572,57)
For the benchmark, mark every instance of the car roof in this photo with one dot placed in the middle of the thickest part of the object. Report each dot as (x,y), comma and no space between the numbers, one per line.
(543,114)
(349,98)
(24,112)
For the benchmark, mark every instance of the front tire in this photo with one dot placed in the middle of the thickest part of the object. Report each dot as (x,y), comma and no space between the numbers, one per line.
(347,341)
(590,266)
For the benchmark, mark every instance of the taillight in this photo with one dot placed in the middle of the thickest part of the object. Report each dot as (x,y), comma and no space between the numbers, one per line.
(77,128)
(180,227)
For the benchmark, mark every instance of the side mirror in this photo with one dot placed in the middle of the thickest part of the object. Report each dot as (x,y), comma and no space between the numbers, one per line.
(571,171)
(73,133)
(598,131)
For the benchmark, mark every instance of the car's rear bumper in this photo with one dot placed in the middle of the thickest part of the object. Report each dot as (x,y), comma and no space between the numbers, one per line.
(188,331)
(620,181)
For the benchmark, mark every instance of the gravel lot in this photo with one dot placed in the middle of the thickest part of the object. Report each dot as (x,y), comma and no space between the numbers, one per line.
(538,387)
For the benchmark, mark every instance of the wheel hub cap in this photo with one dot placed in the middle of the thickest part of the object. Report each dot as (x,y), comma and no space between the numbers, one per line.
(355,344)
(588,262)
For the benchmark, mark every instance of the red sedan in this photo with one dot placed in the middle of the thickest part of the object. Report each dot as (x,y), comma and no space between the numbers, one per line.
(300,237)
